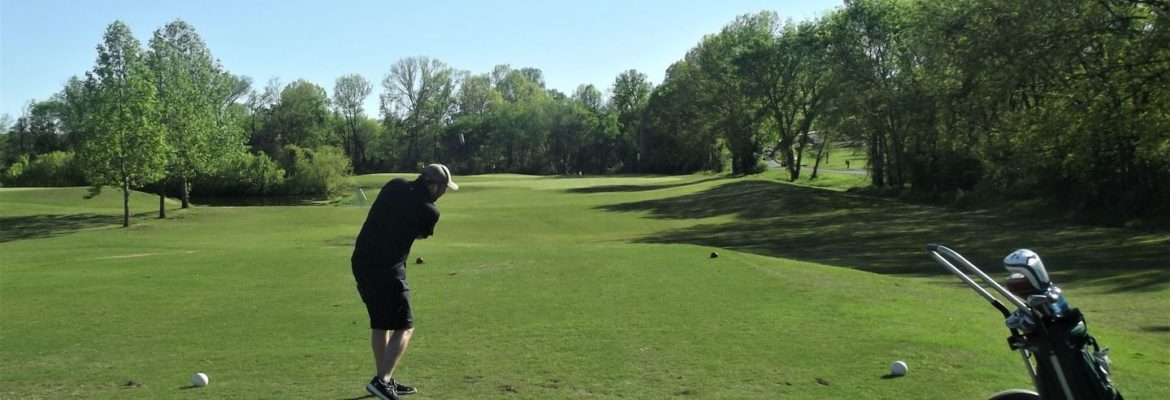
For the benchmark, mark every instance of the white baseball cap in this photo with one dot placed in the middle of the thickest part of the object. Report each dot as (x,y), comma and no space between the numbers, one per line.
(439,173)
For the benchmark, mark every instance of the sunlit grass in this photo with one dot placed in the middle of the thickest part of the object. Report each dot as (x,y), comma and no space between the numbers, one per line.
(551,288)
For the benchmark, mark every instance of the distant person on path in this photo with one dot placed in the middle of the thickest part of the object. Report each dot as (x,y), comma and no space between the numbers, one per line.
(404,211)
(846,164)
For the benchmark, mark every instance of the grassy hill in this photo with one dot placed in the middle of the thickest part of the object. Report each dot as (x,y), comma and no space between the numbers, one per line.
(551,288)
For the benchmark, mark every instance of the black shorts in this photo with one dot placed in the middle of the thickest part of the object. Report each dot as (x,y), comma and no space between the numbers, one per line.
(387,296)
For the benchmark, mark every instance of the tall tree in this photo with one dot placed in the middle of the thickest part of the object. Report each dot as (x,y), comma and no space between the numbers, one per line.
(589,96)
(475,95)
(730,111)
(185,76)
(867,46)
(520,85)
(260,104)
(76,105)
(349,93)
(231,137)
(783,68)
(41,129)
(630,91)
(124,145)
(20,140)
(534,75)
(420,94)
(6,123)
(301,116)
(678,136)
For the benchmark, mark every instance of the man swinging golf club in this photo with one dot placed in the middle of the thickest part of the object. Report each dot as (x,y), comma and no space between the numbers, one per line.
(403,211)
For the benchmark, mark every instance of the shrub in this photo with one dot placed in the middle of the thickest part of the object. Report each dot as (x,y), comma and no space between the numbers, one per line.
(246,175)
(12,174)
(315,171)
(56,168)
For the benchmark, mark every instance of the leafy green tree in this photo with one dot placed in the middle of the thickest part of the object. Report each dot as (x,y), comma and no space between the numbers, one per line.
(40,130)
(1009,98)
(731,113)
(300,117)
(261,104)
(868,49)
(526,84)
(124,145)
(185,76)
(349,92)
(46,127)
(6,122)
(499,72)
(20,142)
(783,69)
(419,95)
(1076,85)
(231,118)
(476,95)
(630,91)
(534,75)
(589,97)
(676,137)
(75,107)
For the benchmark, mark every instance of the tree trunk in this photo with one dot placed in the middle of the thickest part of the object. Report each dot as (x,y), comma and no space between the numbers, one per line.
(162,199)
(185,192)
(125,203)
(820,154)
(876,161)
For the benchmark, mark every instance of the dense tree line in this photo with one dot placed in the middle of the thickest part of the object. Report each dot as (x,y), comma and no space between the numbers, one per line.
(1005,99)
(1012,100)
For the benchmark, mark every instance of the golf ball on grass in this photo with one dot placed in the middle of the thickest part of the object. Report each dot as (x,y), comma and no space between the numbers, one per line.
(199,380)
(898,368)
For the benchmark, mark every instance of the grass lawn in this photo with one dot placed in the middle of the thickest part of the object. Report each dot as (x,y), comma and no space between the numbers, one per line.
(553,288)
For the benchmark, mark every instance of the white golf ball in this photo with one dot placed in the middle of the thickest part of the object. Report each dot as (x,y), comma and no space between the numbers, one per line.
(199,380)
(898,368)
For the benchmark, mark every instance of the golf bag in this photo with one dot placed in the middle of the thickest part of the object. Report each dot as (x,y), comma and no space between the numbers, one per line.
(1063,360)
(1069,364)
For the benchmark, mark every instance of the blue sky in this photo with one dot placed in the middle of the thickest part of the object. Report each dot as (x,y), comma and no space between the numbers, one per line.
(44,42)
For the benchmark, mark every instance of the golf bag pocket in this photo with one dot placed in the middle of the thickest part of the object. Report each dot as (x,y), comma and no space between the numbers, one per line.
(1099,364)
(1068,357)
(1102,359)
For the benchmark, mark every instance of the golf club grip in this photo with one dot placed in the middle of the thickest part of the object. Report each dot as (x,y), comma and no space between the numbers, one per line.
(1002,309)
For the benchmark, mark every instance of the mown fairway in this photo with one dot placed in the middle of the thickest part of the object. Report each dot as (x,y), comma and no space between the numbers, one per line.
(553,288)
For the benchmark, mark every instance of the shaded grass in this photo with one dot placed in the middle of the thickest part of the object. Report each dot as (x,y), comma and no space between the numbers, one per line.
(41,226)
(637,188)
(33,213)
(884,236)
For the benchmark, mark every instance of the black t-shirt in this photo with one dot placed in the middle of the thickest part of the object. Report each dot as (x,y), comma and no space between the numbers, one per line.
(401,213)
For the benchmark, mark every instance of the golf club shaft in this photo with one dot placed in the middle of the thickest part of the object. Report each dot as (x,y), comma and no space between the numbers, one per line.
(1028,363)
(937,252)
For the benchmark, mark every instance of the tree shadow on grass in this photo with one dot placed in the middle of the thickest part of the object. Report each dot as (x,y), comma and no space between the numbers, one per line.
(637,188)
(888,237)
(44,226)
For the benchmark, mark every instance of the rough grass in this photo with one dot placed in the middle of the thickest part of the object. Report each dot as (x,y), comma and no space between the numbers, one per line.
(551,288)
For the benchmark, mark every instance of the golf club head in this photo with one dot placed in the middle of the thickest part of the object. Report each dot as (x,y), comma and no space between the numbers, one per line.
(1039,302)
(1019,285)
(1027,263)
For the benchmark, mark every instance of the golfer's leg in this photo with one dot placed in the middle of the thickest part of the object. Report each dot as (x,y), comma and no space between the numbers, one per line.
(378,340)
(394,350)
